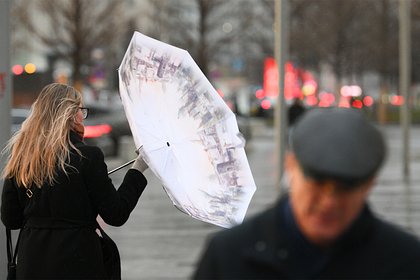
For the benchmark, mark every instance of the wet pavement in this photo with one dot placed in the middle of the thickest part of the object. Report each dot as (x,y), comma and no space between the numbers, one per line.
(394,198)
(160,242)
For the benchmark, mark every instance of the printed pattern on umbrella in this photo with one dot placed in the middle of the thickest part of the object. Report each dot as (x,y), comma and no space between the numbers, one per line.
(190,137)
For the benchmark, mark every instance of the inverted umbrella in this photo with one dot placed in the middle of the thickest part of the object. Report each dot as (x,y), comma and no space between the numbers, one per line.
(188,135)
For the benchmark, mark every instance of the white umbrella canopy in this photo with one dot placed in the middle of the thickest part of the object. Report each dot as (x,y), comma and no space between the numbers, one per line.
(189,136)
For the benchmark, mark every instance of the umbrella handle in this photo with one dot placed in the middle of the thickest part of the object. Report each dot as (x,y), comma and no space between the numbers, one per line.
(122,166)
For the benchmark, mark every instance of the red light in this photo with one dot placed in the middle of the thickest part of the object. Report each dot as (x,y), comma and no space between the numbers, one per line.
(259,94)
(368,101)
(17,69)
(265,104)
(271,77)
(94,131)
(326,99)
(344,102)
(397,100)
(357,104)
(311,100)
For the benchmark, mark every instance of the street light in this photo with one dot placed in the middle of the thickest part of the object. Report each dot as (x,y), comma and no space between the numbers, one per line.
(405,74)
(280,53)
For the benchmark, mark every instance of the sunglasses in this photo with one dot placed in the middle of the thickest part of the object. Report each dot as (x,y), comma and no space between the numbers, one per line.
(85,112)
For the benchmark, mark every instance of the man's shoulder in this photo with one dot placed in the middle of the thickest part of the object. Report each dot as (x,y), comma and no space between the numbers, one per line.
(396,238)
(399,250)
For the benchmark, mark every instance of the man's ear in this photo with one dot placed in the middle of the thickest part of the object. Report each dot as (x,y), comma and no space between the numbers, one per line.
(290,161)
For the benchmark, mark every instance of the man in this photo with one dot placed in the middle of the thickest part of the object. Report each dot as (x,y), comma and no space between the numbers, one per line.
(295,111)
(323,229)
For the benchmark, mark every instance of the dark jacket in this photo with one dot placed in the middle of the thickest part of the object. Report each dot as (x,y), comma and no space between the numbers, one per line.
(262,248)
(59,239)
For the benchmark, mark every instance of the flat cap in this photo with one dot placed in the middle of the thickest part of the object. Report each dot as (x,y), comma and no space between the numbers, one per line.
(338,143)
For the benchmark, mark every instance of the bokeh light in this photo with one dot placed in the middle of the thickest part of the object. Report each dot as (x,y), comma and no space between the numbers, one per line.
(266,104)
(311,100)
(30,68)
(259,93)
(326,99)
(17,69)
(368,100)
(397,100)
(351,91)
(357,104)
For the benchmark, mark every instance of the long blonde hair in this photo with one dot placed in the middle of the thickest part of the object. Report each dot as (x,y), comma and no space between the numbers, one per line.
(43,142)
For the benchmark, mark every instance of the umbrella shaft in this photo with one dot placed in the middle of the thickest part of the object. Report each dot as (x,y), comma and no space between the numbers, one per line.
(122,166)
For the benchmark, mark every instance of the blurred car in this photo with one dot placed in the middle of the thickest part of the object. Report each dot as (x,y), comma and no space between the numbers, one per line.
(105,126)
(99,131)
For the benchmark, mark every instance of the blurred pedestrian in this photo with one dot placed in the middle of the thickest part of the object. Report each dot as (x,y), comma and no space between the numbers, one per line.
(295,111)
(55,187)
(323,228)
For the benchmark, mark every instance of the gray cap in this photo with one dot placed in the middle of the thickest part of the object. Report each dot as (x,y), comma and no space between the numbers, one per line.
(338,143)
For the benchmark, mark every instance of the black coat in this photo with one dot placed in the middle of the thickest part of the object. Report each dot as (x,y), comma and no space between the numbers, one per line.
(59,239)
(261,249)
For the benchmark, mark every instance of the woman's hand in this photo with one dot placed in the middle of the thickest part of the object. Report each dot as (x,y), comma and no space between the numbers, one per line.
(140,164)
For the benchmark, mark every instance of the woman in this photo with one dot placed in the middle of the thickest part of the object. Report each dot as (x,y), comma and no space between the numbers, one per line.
(55,187)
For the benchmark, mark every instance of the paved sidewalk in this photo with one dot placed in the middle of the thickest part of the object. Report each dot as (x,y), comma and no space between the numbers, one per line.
(159,242)
(393,198)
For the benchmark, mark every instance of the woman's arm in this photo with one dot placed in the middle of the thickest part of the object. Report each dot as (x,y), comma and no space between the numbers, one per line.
(11,209)
(114,206)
